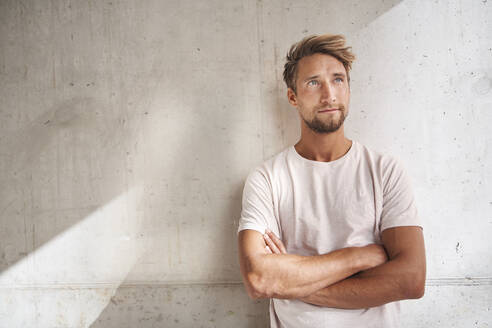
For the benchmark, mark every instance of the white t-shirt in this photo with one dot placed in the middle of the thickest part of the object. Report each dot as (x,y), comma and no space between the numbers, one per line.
(318,207)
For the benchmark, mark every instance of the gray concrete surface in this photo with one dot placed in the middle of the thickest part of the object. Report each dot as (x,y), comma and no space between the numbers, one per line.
(127,129)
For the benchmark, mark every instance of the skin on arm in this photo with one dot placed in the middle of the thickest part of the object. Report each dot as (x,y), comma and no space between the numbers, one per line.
(402,277)
(282,275)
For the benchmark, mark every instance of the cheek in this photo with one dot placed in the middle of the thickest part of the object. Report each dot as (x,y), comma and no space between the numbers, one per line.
(343,91)
(345,95)
(309,97)
(303,100)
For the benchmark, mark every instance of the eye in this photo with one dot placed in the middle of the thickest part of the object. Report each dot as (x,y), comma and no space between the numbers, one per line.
(313,83)
(340,79)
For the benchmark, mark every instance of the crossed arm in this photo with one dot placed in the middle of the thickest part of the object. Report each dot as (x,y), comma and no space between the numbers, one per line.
(329,280)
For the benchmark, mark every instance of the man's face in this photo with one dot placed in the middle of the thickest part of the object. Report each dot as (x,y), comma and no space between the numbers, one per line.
(323,93)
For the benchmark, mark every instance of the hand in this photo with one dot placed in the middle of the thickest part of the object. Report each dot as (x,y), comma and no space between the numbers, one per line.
(274,244)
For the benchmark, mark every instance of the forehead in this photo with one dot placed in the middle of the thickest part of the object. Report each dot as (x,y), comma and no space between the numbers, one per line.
(319,64)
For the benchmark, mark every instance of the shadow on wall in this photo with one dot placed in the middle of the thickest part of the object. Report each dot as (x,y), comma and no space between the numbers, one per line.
(87,153)
(64,167)
(78,157)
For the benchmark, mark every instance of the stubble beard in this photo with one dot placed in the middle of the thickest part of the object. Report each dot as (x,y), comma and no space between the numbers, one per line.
(332,125)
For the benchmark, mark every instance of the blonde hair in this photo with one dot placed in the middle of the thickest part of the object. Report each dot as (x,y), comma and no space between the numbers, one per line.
(329,44)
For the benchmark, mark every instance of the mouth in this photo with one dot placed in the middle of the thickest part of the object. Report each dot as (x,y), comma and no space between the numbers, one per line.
(327,110)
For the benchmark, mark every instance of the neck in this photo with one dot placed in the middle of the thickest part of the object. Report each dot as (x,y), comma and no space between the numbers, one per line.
(322,147)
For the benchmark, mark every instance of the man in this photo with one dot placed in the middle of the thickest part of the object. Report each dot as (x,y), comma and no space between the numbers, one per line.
(329,229)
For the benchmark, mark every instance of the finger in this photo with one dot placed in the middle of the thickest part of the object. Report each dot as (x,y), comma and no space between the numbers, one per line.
(268,250)
(277,241)
(271,244)
(272,238)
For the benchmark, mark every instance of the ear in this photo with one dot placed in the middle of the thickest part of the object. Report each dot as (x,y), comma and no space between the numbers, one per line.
(291,96)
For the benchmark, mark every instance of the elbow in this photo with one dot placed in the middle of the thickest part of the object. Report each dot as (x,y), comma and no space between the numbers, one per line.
(418,291)
(255,294)
(415,288)
(255,281)
(256,287)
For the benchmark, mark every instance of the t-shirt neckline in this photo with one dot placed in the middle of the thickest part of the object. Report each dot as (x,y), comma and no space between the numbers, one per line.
(334,163)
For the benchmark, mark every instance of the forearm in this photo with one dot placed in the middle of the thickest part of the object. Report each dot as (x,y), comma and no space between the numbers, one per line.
(389,282)
(293,276)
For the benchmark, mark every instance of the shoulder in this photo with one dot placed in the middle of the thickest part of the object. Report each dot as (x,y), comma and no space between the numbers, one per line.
(265,173)
(270,166)
(387,168)
(382,161)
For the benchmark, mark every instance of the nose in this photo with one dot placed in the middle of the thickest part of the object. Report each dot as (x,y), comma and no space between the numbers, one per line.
(327,93)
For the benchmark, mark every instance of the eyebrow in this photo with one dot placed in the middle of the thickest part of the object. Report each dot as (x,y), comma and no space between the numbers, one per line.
(337,74)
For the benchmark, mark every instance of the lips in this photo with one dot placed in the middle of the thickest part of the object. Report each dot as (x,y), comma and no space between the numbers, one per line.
(328,110)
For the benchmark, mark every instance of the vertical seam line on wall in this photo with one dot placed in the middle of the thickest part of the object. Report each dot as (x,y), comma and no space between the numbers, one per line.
(259,35)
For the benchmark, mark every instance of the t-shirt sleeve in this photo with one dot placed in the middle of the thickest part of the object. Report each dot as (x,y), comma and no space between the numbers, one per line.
(257,204)
(399,207)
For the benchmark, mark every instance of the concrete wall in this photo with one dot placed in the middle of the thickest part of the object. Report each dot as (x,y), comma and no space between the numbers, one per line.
(127,129)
